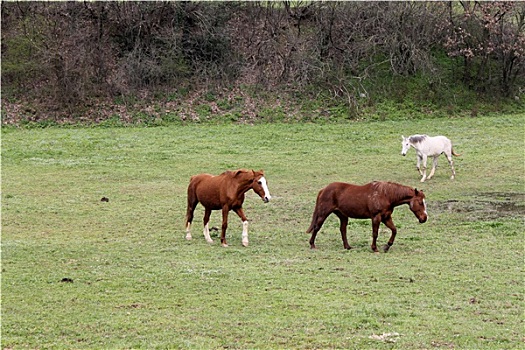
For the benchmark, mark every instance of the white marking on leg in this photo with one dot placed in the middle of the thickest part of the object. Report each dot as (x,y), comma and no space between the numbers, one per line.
(264,185)
(188,234)
(245,233)
(206,232)
(424,175)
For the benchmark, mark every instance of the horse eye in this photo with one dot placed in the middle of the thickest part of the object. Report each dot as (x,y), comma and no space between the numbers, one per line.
(259,182)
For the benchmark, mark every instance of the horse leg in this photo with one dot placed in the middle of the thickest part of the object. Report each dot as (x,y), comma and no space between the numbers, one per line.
(343,226)
(206,230)
(434,165)
(390,224)
(451,162)
(376,221)
(225,211)
(317,222)
(418,165)
(424,157)
(192,204)
(240,212)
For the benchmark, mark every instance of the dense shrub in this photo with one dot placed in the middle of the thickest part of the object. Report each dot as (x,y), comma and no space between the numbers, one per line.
(66,55)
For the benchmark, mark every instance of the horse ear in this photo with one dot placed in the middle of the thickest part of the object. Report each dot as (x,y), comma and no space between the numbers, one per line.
(403,137)
(237,172)
(417,192)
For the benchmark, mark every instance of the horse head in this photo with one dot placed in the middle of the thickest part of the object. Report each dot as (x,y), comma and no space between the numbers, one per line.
(405,144)
(418,206)
(260,185)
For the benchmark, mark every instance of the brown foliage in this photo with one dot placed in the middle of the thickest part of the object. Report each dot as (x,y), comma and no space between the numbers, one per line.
(490,37)
(68,55)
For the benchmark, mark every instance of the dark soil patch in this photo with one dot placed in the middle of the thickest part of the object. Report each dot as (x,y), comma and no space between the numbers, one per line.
(485,206)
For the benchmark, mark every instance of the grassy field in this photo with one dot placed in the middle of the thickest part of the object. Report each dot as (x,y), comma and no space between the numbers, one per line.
(81,273)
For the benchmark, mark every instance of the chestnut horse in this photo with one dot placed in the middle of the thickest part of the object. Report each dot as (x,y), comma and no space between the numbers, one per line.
(224,192)
(375,201)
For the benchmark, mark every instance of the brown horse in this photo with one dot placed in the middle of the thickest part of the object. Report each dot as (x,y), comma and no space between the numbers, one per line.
(375,201)
(224,192)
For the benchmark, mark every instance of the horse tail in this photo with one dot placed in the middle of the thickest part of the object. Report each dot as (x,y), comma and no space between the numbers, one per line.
(311,228)
(192,201)
(315,214)
(455,154)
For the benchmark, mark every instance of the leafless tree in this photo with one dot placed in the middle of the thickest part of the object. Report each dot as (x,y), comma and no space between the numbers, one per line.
(69,53)
(490,38)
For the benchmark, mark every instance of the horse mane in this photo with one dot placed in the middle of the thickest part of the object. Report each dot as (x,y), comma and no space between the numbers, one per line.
(232,172)
(417,138)
(396,192)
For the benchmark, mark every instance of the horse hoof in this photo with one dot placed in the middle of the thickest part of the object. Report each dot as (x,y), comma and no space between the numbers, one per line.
(224,245)
(188,237)
(386,248)
(209,241)
(244,244)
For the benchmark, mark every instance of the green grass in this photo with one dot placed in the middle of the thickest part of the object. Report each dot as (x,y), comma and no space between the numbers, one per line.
(453,282)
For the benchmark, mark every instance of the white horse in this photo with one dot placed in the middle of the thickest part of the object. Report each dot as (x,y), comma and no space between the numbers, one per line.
(428,146)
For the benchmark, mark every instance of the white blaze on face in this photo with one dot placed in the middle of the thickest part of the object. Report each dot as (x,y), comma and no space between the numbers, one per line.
(425,206)
(264,185)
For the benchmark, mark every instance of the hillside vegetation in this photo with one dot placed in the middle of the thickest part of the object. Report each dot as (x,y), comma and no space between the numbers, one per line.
(158,62)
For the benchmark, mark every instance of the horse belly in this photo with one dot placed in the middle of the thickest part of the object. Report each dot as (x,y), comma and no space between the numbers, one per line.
(212,205)
(346,199)
(209,200)
(438,145)
(354,208)
(209,195)
(357,214)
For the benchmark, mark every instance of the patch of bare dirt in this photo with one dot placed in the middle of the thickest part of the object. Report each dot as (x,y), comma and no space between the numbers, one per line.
(486,206)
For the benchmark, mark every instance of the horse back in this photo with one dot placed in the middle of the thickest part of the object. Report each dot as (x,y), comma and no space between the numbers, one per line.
(434,146)
(206,189)
(196,180)
(215,191)
(351,200)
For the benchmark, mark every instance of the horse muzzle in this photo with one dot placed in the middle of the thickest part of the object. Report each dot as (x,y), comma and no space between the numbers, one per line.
(266,199)
(423,219)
